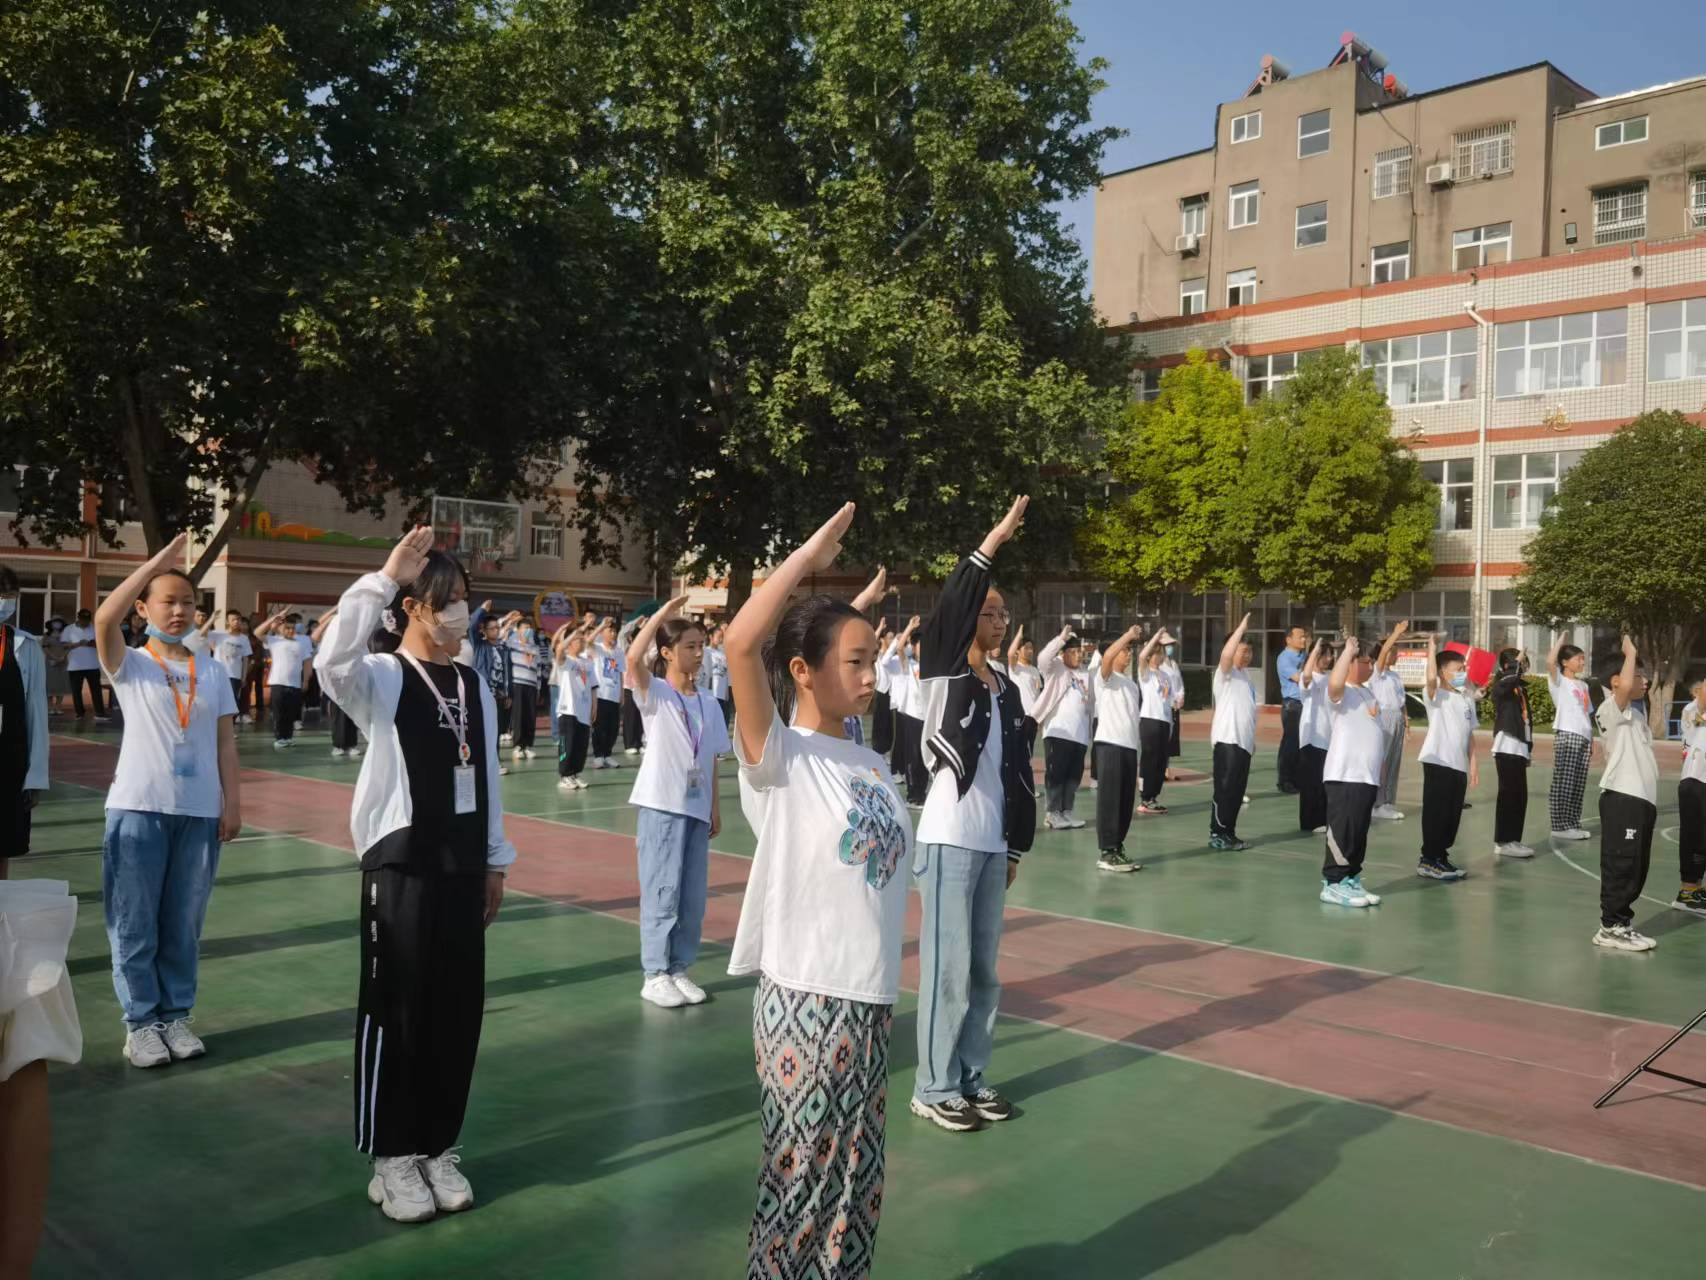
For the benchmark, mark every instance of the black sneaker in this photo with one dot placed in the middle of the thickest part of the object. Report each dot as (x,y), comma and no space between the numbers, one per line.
(991,1105)
(956,1115)
(1219,842)
(1115,860)
(1429,869)
(1691,900)
(1238,846)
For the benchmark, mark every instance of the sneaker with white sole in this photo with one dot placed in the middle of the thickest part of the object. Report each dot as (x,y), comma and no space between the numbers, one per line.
(1388,812)
(581,784)
(1620,937)
(956,1115)
(1115,860)
(690,990)
(1513,849)
(181,1042)
(338,753)
(1439,869)
(1343,894)
(1319,831)
(279,744)
(1357,886)
(400,1189)
(1072,823)
(450,1190)
(355,753)
(1053,822)
(565,784)
(991,1105)
(662,992)
(1572,833)
(632,751)
(144,1047)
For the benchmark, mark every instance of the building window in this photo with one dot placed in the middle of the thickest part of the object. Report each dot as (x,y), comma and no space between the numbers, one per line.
(1314,133)
(1676,340)
(547,540)
(1480,246)
(1483,153)
(1697,200)
(1193,216)
(1311,224)
(1445,612)
(1241,287)
(1244,205)
(1391,262)
(1430,368)
(1525,485)
(1455,479)
(1619,132)
(1562,353)
(1146,384)
(1193,296)
(1392,173)
(1247,127)
(1264,374)
(1620,213)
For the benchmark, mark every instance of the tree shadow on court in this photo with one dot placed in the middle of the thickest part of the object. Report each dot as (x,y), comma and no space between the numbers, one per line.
(1240,1197)
(1038,997)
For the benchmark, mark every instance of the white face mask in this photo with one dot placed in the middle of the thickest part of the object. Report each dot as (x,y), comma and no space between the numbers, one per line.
(452,624)
(8,606)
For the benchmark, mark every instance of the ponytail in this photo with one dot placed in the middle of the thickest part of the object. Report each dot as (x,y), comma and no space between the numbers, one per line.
(806,631)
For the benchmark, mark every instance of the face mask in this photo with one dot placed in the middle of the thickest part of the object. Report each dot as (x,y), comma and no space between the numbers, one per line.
(1459,679)
(1169,651)
(167,637)
(452,623)
(8,607)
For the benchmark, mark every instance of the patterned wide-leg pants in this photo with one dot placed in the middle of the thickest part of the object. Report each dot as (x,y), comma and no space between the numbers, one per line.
(823,1078)
(1569,780)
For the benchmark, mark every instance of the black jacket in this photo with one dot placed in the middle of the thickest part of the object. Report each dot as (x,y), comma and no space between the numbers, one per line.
(1510,709)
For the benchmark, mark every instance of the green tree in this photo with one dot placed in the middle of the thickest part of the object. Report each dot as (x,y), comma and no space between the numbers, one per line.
(1620,546)
(1177,464)
(1332,507)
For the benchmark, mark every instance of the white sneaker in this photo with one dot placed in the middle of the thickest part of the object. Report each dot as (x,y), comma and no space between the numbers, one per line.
(690,990)
(1620,937)
(1246,799)
(143,1047)
(279,744)
(1573,833)
(450,1190)
(398,1188)
(597,762)
(1053,823)
(1344,893)
(1320,831)
(1388,812)
(1071,822)
(581,784)
(1514,849)
(181,1041)
(663,992)
(504,739)
(338,753)
(355,753)
(632,751)
(565,784)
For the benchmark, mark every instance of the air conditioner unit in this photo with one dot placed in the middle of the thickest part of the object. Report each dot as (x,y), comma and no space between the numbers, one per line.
(1439,175)
(1186,244)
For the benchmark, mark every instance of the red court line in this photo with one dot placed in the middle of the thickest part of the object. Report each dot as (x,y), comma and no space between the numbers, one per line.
(1486,1063)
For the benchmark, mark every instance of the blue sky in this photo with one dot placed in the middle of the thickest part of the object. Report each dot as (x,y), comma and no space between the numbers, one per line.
(1173,61)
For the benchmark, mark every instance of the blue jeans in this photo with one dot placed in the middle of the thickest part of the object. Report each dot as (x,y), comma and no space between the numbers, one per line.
(963,892)
(554,691)
(157,874)
(674,853)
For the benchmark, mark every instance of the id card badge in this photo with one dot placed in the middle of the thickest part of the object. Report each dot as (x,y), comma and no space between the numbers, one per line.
(695,783)
(183,760)
(464,774)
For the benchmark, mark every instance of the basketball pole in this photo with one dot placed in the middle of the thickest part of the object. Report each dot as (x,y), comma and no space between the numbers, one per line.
(1648,1067)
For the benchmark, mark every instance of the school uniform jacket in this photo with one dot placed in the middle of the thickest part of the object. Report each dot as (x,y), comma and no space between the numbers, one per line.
(32,670)
(1510,709)
(958,705)
(366,687)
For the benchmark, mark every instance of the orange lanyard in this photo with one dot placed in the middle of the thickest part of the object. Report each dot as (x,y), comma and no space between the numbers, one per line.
(4,632)
(184,708)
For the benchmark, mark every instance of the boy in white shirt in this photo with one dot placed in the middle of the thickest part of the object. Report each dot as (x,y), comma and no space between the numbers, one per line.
(1628,805)
(1233,735)
(1118,706)
(1449,767)
(1351,775)
(1389,691)
(1691,805)
(1155,723)
(1314,736)
(1572,738)
(290,655)
(1065,707)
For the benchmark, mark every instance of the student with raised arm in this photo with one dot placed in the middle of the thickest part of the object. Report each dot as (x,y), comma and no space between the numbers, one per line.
(290,656)
(908,759)
(427,820)
(233,648)
(822,920)
(577,704)
(1065,709)
(1691,804)
(1118,706)
(1572,738)
(1513,746)
(882,713)
(1175,705)
(175,797)
(1351,775)
(1155,727)
(23,725)
(676,795)
(1233,735)
(1628,804)
(979,818)
(717,664)
(1314,736)
(1388,687)
(1022,670)
(607,683)
(633,723)
(1449,767)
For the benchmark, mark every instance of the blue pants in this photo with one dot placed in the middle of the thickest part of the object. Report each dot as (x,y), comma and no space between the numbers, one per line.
(674,853)
(963,892)
(157,874)
(554,691)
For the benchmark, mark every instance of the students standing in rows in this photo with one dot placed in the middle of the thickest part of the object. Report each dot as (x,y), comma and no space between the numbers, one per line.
(1233,735)
(979,818)
(1288,665)
(23,725)
(1513,746)
(526,671)
(576,706)
(1628,804)
(901,661)
(1449,767)
(1388,688)
(1351,776)
(84,666)
(1064,709)
(1691,805)
(676,794)
(608,662)
(1572,738)
(834,841)
(427,818)
(1117,746)
(288,656)
(1155,728)
(175,797)
(1315,736)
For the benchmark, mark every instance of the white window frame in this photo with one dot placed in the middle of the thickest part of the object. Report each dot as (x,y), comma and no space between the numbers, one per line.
(1397,265)
(1477,238)
(1196,288)
(1426,368)
(1560,353)
(1302,228)
(1263,375)
(1325,131)
(1243,278)
(1392,173)
(1621,139)
(1620,213)
(1243,198)
(1533,493)
(1252,131)
(1486,152)
(1146,384)
(1193,215)
(1454,478)
(1697,200)
(1686,318)
(550,547)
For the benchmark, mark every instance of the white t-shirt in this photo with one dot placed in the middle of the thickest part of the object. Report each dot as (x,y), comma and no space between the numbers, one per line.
(1629,765)
(1505,745)
(1175,684)
(1574,706)
(1451,727)
(1693,743)
(608,666)
(663,780)
(575,684)
(1071,719)
(1388,689)
(825,903)
(83,659)
(910,687)
(1156,685)
(976,820)
(1234,709)
(524,660)
(718,663)
(1358,748)
(1315,721)
(1118,702)
(1029,682)
(232,650)
(288,656)
(154,775)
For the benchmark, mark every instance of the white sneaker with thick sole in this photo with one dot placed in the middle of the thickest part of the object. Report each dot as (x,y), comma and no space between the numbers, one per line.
(1514,849)
(1573,833)
(181,1042)
(400,1190)
(690,990)
(144,1047)
(565,784)
(1342,894)
(1620,937)
(1053,823)
(355,753)
(632,751)
(338,753)
(450,1190)
(1388,813)
(1072,823)
(661,990)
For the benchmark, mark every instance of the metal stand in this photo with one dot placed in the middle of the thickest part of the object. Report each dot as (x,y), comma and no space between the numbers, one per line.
(1646,1065)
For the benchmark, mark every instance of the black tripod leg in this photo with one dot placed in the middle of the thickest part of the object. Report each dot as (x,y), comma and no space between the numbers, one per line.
(1652,1057)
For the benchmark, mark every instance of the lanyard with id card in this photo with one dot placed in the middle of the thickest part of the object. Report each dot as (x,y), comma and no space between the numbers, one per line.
(696,774)
(183,754)
(463,772)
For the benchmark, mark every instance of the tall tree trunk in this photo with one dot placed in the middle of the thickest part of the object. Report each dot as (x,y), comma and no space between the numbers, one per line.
(1348,617)
(234,508)
(1665,651)
(140,439)
(740,585)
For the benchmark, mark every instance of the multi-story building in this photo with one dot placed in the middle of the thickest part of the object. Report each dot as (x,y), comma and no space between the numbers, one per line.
(1522,263)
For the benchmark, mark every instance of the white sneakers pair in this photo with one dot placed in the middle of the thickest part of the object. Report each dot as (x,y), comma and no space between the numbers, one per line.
(1572,833)
(339,753)
(1513,849)
(672,990)
(604,762)
(523,753)
(415,1188)
(1062,822)
(1620,937)
(156,1045)
(576,783)
(1389,812)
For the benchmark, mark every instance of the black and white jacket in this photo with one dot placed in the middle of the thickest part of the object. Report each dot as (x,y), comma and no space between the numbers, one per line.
(958,705)
(1510,709)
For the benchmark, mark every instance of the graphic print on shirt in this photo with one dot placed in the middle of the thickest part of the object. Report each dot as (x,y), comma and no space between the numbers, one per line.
(874,835)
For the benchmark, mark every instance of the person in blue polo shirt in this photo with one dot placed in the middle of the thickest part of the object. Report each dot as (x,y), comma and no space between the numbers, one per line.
(1287,665)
